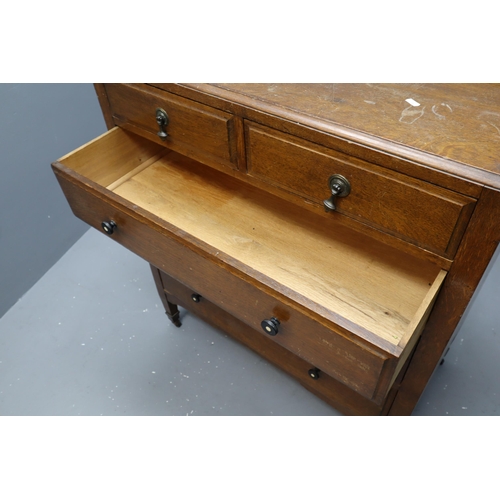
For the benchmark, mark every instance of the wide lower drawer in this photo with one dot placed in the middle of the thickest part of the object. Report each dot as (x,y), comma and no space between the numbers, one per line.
(356,315)
(429,216)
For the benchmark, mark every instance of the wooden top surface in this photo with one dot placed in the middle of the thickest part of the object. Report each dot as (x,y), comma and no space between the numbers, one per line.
(458,122)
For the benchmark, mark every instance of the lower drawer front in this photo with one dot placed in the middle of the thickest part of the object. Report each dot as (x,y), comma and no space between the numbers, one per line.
(338,395)
(358,365)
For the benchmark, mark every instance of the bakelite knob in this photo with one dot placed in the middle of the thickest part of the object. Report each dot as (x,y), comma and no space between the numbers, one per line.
(270,326)
(195,297)
(108,226)
(314,373)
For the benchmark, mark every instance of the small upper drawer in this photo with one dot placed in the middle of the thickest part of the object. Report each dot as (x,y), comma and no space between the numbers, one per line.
(198,131)
(429,216)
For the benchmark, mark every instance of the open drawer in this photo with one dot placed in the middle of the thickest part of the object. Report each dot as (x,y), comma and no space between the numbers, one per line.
(349,305)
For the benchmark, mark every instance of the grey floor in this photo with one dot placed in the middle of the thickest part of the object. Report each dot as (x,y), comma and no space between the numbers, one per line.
(91,338)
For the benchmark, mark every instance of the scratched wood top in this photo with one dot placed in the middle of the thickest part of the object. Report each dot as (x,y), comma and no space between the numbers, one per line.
(460,122)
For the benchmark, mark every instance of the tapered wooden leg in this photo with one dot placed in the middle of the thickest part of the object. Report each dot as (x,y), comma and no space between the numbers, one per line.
(171,309)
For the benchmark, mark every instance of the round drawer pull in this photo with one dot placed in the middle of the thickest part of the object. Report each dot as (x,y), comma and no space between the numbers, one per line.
(195,297)
(314,373)
(162,121)
(339,186)
(270,326)
(109,226)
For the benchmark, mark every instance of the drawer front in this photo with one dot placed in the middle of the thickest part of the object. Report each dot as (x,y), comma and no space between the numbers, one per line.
(359,366)
(418,212)
(195,130)
(334,392)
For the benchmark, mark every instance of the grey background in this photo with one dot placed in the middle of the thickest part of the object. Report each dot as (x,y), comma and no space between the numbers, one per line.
(38,124)
(89,335)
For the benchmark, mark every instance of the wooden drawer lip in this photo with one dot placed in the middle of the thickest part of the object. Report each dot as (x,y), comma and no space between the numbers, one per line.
(446,232)
(215,144)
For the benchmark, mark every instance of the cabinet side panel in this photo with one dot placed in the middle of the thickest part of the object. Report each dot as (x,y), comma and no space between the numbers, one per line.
(475,252)
(102,96)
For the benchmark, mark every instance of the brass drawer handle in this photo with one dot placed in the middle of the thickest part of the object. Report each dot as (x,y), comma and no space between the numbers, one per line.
(270,326)
(162,121)
(339,186)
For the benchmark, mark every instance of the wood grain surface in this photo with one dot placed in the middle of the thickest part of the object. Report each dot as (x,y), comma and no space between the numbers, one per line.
(369,284)
(419,212)
(354,299)
(461,147)
(204,133)
(456,121)
(477,248)
(329,389)
(362,366)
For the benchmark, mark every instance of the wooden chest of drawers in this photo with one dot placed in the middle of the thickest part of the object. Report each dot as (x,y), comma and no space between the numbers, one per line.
(338,230)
